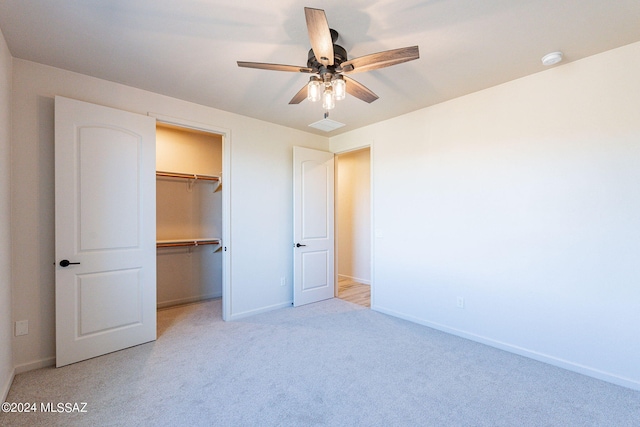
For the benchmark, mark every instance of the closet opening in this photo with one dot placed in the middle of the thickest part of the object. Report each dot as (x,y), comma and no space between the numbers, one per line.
(189,215)
(353,226)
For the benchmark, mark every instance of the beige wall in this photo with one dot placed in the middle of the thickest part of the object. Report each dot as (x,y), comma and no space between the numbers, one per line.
(188,151)
(353,207)
(260,183)
(522,199)
(6,325)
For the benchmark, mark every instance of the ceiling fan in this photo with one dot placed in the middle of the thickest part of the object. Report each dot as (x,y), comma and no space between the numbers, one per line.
(330,65)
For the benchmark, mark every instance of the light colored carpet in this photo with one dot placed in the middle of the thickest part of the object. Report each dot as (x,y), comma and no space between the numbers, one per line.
(331,363)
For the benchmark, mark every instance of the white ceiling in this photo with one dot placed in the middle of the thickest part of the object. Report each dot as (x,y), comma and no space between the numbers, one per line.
(188,49)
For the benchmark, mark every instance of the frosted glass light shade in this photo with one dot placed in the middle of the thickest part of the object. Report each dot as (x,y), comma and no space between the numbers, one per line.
(339,88)
(314,90)
(328,100)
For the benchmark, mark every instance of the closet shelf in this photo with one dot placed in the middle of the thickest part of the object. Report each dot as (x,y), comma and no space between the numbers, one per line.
(186,242)
(188,176)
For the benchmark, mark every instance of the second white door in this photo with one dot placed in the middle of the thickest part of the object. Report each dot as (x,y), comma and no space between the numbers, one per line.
(313,217)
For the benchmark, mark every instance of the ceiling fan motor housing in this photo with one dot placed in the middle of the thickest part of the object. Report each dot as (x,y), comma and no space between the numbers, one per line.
(339,56)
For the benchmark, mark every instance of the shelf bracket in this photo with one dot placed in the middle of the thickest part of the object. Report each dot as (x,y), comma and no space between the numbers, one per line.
(216,185)
(191,182)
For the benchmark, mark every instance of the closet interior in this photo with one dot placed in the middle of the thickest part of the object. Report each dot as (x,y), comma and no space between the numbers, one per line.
(188,215)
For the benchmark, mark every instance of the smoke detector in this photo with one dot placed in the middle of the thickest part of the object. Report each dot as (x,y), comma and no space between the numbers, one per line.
(552,58)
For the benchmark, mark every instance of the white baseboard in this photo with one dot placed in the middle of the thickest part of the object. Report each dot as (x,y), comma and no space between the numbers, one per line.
(355,279)
(183,301)
(248,313)
(4,391)
(30,366)
(540,357)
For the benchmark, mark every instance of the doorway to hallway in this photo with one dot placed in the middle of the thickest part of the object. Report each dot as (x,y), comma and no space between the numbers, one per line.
(353,226)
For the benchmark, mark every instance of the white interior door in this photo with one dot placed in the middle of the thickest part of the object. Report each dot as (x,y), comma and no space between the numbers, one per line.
(313,213)
(105,230)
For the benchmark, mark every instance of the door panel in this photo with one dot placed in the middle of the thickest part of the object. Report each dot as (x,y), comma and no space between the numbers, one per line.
(314,271)
(105,226)
(314,199)
(109,160)
(313,226)
(108,301)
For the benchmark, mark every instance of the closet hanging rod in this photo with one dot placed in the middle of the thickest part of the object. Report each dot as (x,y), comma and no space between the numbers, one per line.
(179,243)
(188,176)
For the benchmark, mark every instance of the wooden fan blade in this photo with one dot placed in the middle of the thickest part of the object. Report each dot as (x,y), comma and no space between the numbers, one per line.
(359,90)
(380,60)
(319,35)
(275,67)
(300,96)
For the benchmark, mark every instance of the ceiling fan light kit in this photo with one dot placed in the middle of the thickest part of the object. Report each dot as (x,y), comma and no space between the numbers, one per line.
(329,91)
(329,64)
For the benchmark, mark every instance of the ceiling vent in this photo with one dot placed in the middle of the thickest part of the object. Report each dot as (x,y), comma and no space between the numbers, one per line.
(326,125)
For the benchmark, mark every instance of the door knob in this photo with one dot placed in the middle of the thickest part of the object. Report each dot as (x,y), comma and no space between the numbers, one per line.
(66,263)
(298,245)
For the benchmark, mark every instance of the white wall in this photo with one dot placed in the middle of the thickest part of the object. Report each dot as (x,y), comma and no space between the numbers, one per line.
(260,185)
(353,212)
(6,326)
(524,199)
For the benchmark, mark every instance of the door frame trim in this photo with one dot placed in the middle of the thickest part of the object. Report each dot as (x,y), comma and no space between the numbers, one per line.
(225,133)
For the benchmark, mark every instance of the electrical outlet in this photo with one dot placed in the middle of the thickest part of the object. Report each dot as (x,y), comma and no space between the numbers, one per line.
(283,281)
(22,327)
(460,302)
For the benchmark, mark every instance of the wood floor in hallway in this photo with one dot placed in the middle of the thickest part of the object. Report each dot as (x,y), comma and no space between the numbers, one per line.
(352,291)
